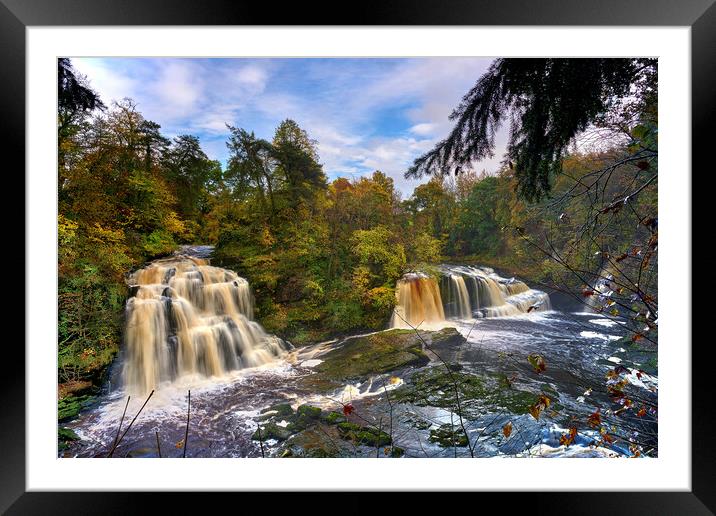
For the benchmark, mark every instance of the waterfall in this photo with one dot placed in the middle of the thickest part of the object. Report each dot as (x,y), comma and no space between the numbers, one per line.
(464,292)
(189,318)
(418,302)
(457,302)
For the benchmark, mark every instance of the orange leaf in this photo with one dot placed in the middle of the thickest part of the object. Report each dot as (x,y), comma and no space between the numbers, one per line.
(568,438)
(595,419)
(507,429)
(541,404)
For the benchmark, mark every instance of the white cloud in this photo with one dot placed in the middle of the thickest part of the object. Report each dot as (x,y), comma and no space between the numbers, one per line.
(180,86)
(110,82)
(253,76)
(422,129)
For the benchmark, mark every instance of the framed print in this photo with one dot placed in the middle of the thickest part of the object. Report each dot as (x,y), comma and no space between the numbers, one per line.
(418,249)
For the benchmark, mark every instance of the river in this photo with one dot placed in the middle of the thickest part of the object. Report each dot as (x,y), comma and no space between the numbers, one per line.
(231,396)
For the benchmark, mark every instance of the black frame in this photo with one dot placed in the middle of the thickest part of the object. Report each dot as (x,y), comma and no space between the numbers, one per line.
(700,15)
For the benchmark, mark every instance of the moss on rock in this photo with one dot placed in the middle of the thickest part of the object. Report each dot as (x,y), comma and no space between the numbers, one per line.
(397,452)
(373,354)
(448,436)
(309,411)
(333,418)
(70,406)
(365,435)
(271,431)
(478,393)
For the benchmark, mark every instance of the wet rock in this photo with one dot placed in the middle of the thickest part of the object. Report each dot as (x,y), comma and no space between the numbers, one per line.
(448,436)
(373,354)
(333,418)
(141,453)
(446,339)
(365,435)
(309,411)
(436,386)
(272,431)
(321,441)
(396,452)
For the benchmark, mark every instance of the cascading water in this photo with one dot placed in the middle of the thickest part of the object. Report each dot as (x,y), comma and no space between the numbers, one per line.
(459,305)
(464,292)
(189,318)
(490,295)
(418,302)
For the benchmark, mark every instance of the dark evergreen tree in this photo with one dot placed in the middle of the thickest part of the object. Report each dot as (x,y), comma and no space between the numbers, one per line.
(74,96)
(548,101)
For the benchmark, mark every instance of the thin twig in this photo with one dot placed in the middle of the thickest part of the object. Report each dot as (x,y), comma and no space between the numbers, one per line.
(119,429)
(130,424)
(186,433)
(159,448)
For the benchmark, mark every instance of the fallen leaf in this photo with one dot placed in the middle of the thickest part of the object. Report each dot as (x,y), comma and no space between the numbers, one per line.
(537,362)
(568,438)
(348,409)
(595,419)
(507,429)
(541,404)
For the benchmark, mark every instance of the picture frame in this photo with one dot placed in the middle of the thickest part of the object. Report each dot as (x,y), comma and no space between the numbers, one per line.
(700,15)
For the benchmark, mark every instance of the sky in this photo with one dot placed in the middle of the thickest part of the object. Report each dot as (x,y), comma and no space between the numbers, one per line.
(366,113)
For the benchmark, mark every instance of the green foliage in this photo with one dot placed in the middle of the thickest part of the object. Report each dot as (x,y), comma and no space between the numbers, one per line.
(379,253)
(478,224)
(159,242)
(426,249)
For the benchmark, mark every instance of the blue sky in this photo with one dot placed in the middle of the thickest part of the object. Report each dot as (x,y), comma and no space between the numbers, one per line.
(366,113)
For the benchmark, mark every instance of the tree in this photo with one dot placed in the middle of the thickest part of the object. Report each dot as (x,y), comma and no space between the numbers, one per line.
(432,205)
(152,142)
(477,225)
(191,172)
(252,166)
(74,96)
(549,101)
(297,161)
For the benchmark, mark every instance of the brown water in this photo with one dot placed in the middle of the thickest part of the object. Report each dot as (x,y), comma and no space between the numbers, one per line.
(188,318)
(463,292)
(418,301)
